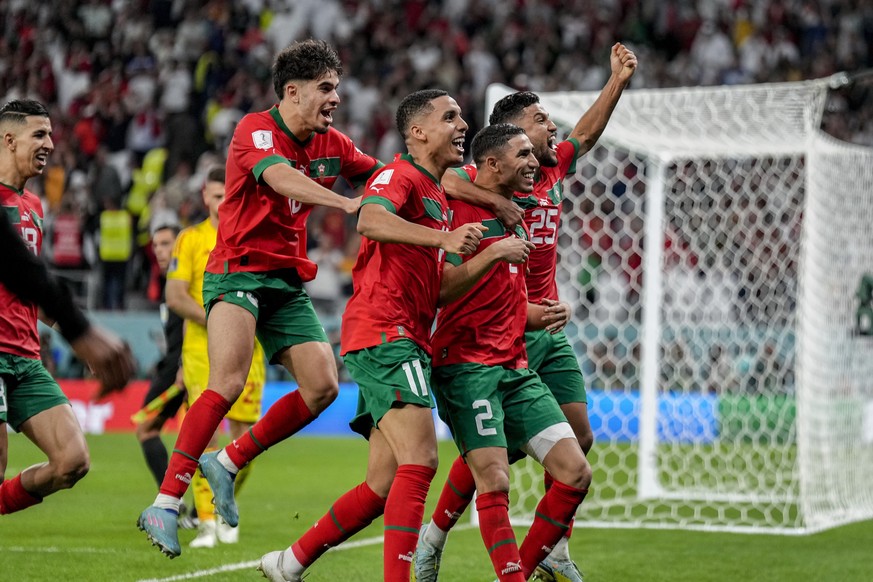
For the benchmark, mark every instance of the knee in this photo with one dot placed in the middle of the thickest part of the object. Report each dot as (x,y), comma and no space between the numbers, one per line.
(492,477)
(323,393)
(72,470)
(577,475)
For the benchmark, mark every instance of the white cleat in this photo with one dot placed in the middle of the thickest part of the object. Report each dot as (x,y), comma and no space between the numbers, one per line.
(225,533)
(271,568)
(206,537)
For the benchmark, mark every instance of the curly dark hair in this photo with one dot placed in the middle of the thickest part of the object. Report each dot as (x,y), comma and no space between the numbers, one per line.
(510,107)
(305,60)
(413,105)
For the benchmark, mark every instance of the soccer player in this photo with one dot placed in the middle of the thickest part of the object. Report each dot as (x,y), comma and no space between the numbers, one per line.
(385,338)
(550,354)
(281,163)
(30,399)
(148,432)
(493,403)
(185,297)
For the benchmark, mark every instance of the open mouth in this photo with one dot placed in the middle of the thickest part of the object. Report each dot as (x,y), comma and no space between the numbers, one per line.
(553,142)
(327,115)
(459,144)
(41,159)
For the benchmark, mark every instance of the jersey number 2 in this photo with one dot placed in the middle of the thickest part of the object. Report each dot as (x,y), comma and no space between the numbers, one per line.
(482,417)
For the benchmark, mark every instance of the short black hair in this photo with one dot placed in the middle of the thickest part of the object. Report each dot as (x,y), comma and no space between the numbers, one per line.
(304,60)
(215,174)
(492,140)
(413,105)
(510,107)
(172,226)
(19,109)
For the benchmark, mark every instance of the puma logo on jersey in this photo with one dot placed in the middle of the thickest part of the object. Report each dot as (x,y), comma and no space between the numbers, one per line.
(384,178)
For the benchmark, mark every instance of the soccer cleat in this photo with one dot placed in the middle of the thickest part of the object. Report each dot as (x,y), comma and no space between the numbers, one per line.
(225,533)
(426,560)
(187,517)
(271,568)
(206,535)
(221,482)
(160,526)
(552,570)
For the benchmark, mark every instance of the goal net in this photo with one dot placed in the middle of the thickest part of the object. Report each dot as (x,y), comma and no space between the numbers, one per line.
(714,245)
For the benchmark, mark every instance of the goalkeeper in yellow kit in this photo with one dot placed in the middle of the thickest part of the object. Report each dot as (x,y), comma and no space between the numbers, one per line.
(184,294)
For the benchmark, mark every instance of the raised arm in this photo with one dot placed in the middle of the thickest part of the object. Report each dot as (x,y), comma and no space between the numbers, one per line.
(457,187)
(291,183)
(590,126)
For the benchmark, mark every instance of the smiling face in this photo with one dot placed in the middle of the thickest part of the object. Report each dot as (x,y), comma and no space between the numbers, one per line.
(444,131)
(30,144)
(518,165)
(542,131)
(316,100)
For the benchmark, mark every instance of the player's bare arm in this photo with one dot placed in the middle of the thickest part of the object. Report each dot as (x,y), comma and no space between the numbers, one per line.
(506,210)
(291,183)
(181,302)
(377,223)
(623,64)
(458,280)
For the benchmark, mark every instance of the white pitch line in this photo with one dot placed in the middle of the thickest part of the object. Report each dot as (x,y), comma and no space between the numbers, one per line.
(56,550)
(254,563)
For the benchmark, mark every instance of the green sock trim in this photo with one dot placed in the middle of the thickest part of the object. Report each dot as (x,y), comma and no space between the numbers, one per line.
(336,521)
(186,455)
(458,493)
(251,434)
(502,543)
(563,526)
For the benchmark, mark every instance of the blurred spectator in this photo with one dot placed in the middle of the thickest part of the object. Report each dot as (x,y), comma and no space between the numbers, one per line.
(116,245)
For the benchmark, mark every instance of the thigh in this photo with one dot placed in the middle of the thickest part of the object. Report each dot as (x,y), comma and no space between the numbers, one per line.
(552,357)
(231,332)
(57,433)
(29,389)
(469,402)
(529,407)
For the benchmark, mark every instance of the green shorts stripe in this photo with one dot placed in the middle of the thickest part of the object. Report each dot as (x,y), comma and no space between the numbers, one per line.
(282,308)
(553,359)
(388,375)
(26,389)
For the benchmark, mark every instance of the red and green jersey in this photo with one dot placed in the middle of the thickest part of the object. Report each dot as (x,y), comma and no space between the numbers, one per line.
(259,229)
(542,215)
(486,325)
(18,334)
(397,285)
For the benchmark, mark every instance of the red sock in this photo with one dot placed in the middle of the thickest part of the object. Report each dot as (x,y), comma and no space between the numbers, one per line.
(14,497)
(498,536)
(404,510)
(197,429)
(456,495)
(351,513)
(287,415)
(552,517)
(547,482)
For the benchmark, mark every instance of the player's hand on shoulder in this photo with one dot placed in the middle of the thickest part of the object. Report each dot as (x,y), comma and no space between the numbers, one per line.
(464,240)
(513,249)
(508,212)
(623,61)
(108,357)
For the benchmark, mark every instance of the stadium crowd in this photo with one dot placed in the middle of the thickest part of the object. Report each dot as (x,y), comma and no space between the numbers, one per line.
(145,95)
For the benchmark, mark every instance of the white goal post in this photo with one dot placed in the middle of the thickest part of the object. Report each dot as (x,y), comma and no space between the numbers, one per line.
(712,246)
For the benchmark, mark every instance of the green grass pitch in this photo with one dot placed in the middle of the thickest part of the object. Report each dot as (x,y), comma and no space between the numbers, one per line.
(88,534)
